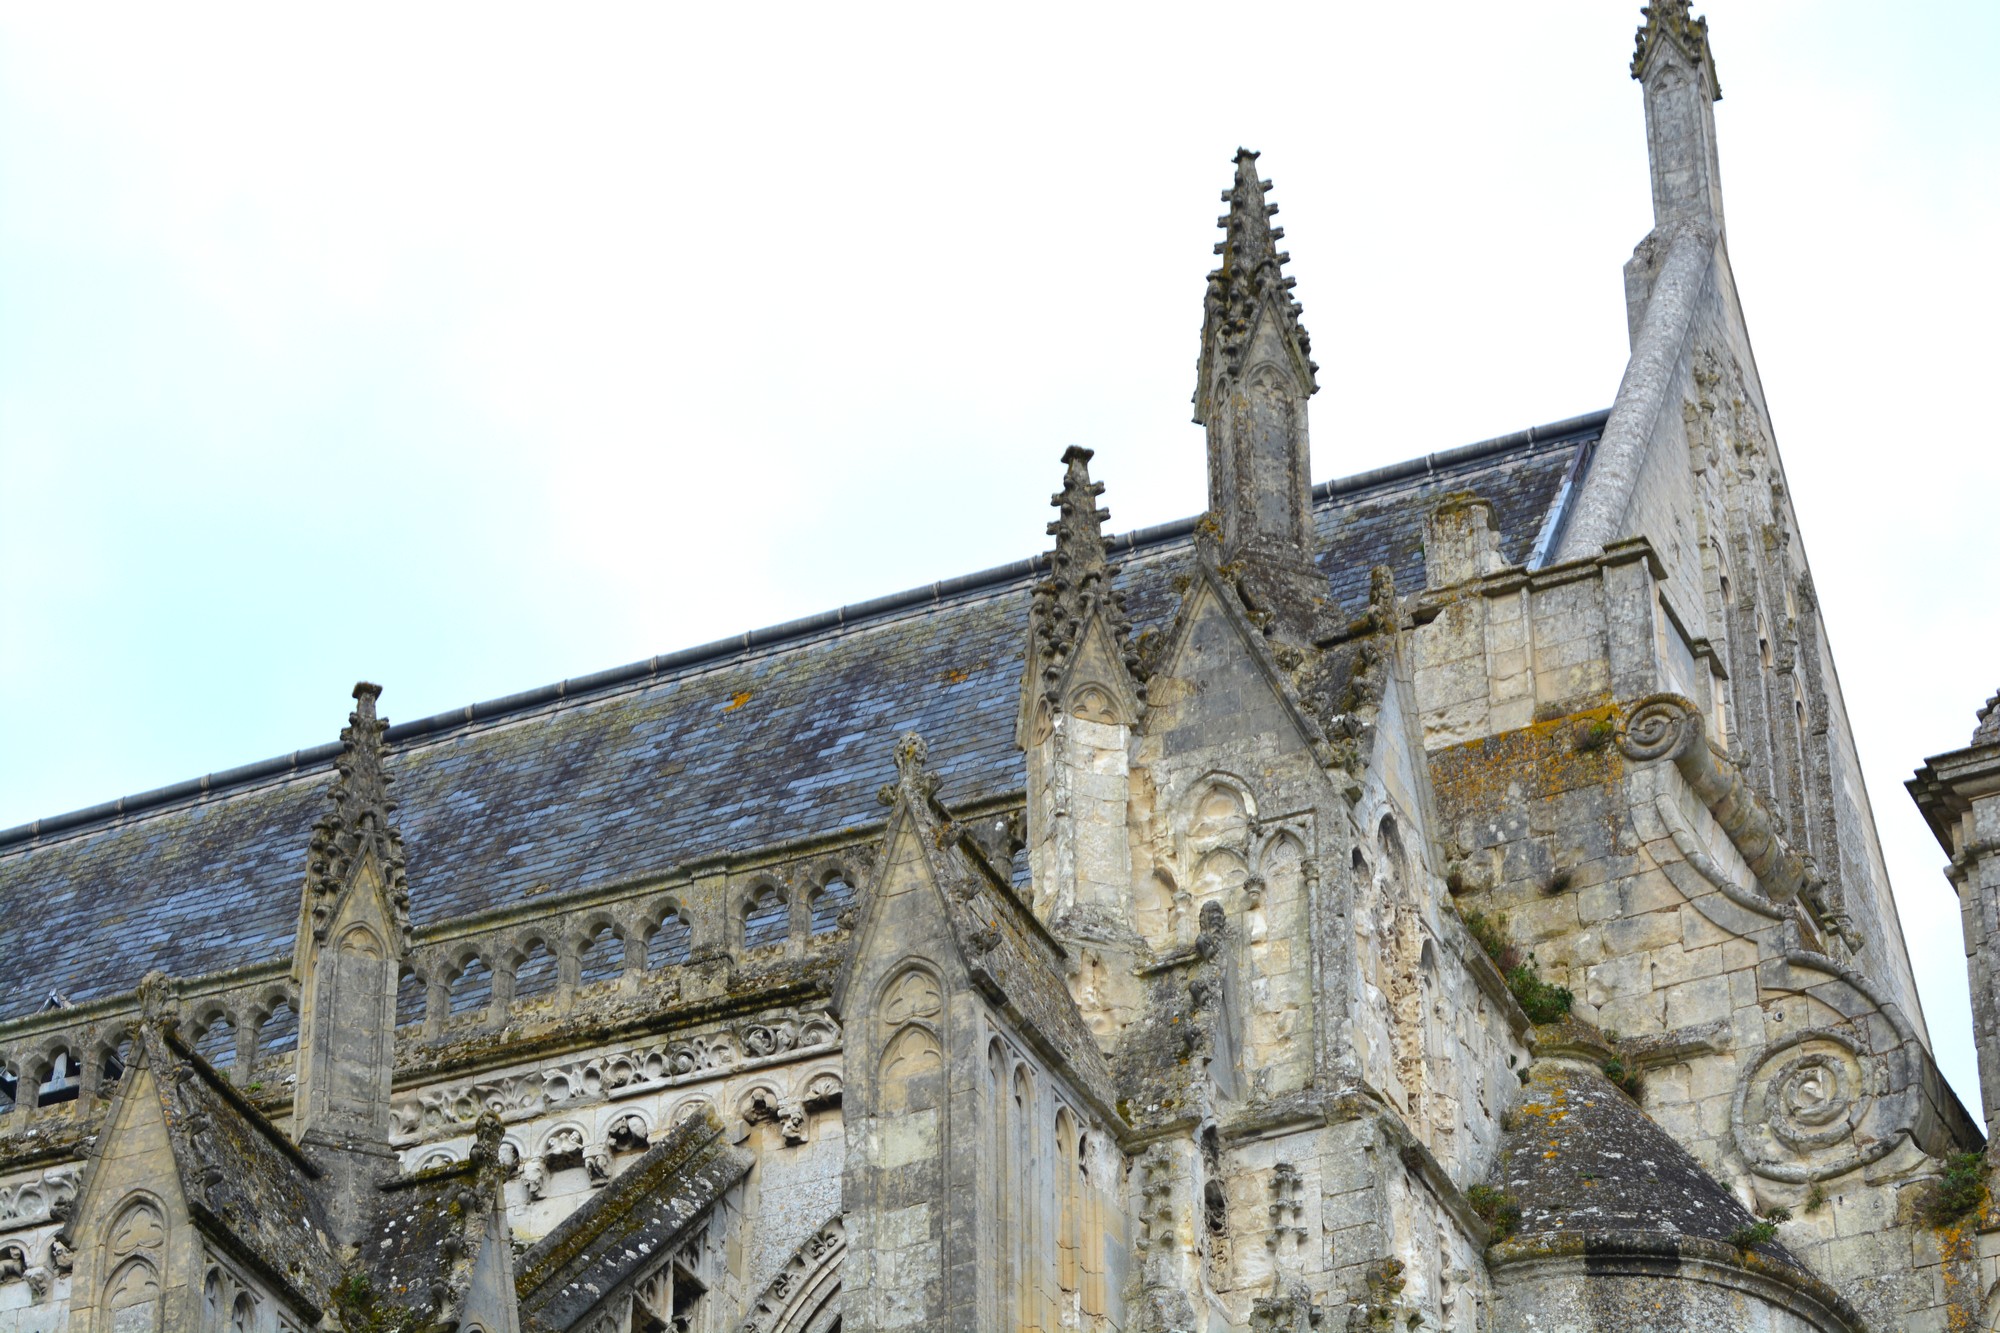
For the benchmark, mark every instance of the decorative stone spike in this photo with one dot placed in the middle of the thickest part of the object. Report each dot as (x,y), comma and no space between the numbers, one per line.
(1080,574)
(1248,279)
(360,820)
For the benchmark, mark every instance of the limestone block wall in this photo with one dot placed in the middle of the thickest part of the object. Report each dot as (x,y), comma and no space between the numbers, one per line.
(1711,499)
(1795,1078)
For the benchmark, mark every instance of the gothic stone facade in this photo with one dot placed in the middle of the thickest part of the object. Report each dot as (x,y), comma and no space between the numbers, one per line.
(1440,899)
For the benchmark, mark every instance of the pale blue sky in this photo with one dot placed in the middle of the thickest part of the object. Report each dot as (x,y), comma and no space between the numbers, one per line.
(471,348)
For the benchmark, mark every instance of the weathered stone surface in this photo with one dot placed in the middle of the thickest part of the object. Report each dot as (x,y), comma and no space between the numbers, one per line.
(1443,898)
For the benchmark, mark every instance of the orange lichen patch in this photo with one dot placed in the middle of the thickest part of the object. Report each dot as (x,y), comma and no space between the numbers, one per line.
(1960,1275)
(736,701)
(1535,762)
(953,676)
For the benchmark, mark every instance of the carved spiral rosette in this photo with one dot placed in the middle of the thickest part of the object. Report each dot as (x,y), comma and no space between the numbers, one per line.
(1815,1105)
(1660,726)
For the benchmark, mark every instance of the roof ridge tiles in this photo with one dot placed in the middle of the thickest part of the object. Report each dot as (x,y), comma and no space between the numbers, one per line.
(649,670)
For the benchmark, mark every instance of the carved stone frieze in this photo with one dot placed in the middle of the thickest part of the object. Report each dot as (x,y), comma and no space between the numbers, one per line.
(48,1199)
(448,1109)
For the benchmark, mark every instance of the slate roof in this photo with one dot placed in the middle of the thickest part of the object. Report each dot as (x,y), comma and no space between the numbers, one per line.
(779,734)
(1582,1158)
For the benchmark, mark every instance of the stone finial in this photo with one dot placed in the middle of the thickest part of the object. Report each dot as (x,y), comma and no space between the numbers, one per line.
(1250,282)
(360,822)
(1673,21)
(157,1002)
(1079,580)
(913,773)
(1988,730)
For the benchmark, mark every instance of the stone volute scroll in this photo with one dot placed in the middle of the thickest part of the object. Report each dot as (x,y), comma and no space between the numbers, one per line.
(1669,726)
(1843,1091)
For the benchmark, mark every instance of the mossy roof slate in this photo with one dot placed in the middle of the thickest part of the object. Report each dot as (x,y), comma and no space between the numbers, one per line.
(781,740)
(633,1225)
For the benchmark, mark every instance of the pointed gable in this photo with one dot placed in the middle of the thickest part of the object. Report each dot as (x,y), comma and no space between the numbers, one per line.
(630,1227)
(241,1182)
(1004,952)
(1217,664)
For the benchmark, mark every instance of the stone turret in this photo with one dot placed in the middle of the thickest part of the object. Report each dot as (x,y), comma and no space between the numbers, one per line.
(1959,794)
(354,933)
(1081,695)
(1251,389)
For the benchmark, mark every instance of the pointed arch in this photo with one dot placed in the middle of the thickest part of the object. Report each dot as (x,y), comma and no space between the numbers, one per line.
(472,988)
(834,895)
(767,918)
(132,1296)
(1069,1224)
(669,937)
(1219,806)
(805,1295)
(1219,877)
(362,942)
(536,972)
(912,1053)
(412,998)
(216,1039)
(278,1032)
(1092,702)
(600,954)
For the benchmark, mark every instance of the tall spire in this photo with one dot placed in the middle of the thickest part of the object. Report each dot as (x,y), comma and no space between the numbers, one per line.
(1254,379)
(359,823)
(1672,61)
(1249,283)
(1079,581)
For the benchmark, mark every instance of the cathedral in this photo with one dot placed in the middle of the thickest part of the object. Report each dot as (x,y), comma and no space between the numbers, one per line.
(1438,899)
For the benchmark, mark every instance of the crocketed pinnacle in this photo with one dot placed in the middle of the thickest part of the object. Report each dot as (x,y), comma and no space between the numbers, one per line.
(1251,281)
(359,823)
(1079,580)
(1673,21)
